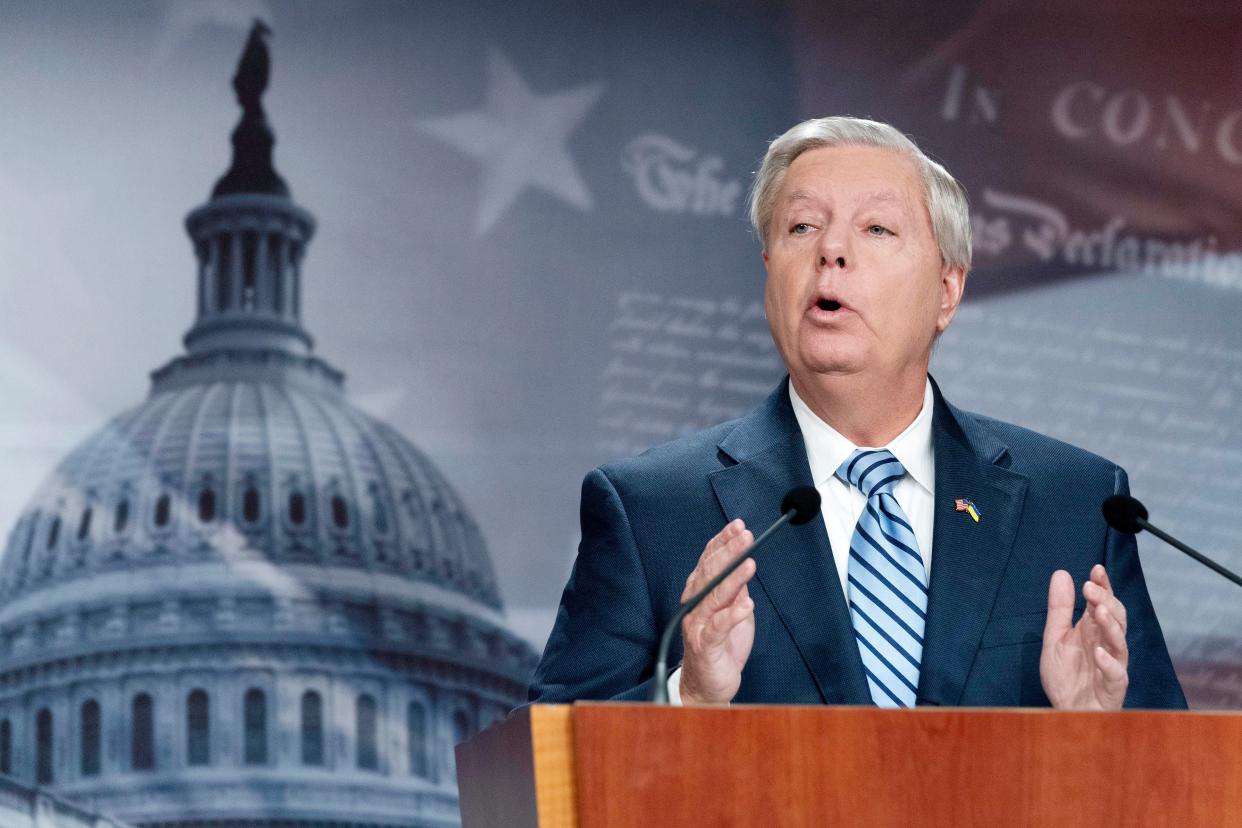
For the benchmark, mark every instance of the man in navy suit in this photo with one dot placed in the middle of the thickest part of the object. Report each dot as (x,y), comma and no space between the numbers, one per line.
(943,567)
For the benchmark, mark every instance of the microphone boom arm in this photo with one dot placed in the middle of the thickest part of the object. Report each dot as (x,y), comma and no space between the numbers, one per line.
(1198,556)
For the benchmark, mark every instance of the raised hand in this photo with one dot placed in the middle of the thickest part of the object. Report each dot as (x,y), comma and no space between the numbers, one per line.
(718,634)
(1083,666)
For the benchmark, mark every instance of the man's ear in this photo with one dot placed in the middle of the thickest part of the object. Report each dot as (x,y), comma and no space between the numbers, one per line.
(952,286)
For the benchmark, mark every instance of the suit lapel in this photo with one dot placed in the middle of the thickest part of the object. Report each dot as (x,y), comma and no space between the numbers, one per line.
(795,570)
(969,557)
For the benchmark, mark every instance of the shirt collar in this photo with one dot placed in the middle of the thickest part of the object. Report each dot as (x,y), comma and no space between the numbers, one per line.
(827,448)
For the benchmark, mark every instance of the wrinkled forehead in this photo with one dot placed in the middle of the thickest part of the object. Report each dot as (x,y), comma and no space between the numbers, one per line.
(864,173)
(881,196)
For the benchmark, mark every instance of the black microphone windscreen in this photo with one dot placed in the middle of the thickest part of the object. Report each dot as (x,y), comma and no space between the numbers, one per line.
(1123,512)
(803,501)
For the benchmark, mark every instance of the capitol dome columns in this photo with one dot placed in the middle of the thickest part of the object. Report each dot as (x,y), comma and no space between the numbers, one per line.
(249,249)
(247,265)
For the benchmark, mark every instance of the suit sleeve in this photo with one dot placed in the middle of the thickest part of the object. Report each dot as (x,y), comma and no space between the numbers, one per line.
(1153,683)
(603,643)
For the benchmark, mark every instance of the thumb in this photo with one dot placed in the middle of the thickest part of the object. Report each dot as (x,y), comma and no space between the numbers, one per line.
(1060,606)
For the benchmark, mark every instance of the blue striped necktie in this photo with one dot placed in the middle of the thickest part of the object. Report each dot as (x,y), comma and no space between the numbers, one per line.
(887,581)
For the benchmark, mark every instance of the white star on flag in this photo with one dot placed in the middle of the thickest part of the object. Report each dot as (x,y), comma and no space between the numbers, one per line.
(519,139)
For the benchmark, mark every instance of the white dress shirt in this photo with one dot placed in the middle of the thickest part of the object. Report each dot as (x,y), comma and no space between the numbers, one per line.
(842,504)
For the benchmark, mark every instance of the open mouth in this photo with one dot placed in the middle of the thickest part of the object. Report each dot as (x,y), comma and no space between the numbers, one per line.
(828,305)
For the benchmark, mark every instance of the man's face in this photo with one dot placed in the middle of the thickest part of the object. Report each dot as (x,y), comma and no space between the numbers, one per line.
(855,279)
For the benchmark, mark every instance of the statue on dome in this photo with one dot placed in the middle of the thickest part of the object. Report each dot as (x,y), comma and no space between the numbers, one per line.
(252,170)
(253,68)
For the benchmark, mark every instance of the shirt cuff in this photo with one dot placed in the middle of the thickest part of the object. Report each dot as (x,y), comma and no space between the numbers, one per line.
(674,687)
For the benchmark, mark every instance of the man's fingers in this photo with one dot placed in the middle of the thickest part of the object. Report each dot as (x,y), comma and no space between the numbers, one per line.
(1099,575)
(708,627)
(727,592)
(712,628)
(1102,595)
(726,545)
(731,530)
(723,548)
(718,545)
(724,620)
(729,597)
(720,539)
(1114,671)
(1112,631)
(726,595)
(1060,605)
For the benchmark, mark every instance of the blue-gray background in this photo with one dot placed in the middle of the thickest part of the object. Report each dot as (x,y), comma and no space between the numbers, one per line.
(532,257)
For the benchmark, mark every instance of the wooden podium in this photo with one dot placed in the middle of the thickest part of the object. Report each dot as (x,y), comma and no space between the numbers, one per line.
(595,765)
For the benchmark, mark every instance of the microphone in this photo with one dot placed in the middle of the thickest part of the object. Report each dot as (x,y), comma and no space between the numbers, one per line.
(799,506)
(1127,514)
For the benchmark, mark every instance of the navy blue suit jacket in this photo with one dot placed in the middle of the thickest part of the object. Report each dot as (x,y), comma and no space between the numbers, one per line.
(645,521)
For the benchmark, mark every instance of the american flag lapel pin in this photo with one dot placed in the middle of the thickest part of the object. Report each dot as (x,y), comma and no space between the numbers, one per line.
(964,505)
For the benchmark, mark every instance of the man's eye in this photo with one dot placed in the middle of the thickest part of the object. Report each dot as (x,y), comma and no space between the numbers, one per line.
(879,230)
(800,228)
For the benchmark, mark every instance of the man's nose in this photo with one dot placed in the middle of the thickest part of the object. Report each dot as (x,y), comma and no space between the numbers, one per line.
(833,251)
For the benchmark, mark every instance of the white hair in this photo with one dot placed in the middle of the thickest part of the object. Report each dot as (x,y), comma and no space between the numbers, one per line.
(943,195)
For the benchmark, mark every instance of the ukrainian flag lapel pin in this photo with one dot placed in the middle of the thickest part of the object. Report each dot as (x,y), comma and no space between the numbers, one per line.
(964,505)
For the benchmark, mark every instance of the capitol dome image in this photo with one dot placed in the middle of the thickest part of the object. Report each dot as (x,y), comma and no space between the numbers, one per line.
(245,602)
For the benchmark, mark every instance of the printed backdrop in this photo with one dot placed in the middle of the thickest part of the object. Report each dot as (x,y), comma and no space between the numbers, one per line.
(532,255)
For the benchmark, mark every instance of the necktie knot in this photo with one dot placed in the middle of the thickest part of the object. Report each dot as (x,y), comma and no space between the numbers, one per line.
(872,471)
